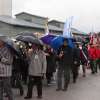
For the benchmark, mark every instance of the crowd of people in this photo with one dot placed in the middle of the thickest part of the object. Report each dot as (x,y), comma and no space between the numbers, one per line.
(35,62)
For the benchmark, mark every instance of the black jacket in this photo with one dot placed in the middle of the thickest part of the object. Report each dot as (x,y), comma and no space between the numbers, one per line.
(76,56)
(67,58)
(51,61)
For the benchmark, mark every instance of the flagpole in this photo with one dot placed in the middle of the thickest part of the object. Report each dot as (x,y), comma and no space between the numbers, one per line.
(46,27)
(67,27)
(71,26)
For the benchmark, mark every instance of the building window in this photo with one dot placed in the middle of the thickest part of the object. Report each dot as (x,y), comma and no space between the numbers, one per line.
(29,20)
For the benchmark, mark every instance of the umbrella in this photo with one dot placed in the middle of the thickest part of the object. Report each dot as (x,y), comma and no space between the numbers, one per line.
(27,34)
(3,37)
(19,37)
(30,39)
(58,41)
(47,39)
(9,44)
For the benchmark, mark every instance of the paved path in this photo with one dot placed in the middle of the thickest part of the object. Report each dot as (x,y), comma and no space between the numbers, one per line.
(87,88)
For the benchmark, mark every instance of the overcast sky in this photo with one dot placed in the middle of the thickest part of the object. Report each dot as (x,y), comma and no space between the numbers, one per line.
(86,12)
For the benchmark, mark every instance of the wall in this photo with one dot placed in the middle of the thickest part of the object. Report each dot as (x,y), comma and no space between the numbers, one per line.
(11,30)
(5,29)
(58,24)
(34,19)
(19,29)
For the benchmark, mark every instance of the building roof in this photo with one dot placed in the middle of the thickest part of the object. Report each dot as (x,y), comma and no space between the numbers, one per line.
(56,21)
(23,23)
(19,22)
(31,15)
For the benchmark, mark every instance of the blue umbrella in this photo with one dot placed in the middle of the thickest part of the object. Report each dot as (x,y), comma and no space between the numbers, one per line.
(71,42)
(47,39)
(58,41)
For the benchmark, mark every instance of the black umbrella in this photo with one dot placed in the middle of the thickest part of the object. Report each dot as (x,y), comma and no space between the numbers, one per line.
(10,44)
(30,39)
(27,34)
(19,38)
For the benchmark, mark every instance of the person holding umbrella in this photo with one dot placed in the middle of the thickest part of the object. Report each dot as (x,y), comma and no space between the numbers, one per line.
(6,59)
(37,67)
(65,56)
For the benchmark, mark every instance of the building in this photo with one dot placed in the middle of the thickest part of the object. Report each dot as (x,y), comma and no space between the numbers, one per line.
(25,22)
(60,25)
(54,26)
(12,26)
(6,7)
(40,21)
(56,23)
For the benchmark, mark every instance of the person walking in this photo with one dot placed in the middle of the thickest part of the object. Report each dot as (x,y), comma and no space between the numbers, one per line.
(37,67)
(76,62)
(65,55)
(6,59)
(92,58)
(51,64)
(84,58)
(17,73)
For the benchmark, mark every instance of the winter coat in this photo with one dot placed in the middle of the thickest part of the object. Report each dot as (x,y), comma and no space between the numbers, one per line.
(67,59)
(6,59)
(97,53)
(92,53)
(76,57)
(20,64)
(51,61)
(37,64)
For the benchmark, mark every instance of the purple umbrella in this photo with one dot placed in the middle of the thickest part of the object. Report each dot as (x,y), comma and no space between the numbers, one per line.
(47,39)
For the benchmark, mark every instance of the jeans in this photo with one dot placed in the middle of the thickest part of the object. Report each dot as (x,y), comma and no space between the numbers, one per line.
(66,73)
(5,85)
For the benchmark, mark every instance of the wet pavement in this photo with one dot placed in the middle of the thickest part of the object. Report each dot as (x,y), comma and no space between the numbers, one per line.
(86,88)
